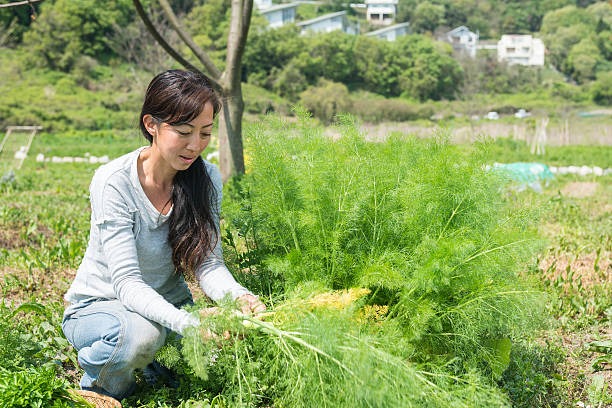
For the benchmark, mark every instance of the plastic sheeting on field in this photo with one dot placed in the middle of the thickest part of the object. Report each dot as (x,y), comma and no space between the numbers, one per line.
(526,175)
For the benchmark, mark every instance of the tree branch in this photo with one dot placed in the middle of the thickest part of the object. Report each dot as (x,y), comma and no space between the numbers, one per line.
(202,56)
(161,41)
(19,3)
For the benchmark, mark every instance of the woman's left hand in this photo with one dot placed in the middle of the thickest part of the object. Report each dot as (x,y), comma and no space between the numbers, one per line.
(250,304)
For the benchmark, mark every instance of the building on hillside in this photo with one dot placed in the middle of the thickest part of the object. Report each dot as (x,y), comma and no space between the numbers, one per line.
(520,49)
(280,14)
(381,12)
(462,40)
(391,33)
(327,23)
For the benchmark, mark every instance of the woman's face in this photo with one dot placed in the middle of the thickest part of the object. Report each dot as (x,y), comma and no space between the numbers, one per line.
(179,145)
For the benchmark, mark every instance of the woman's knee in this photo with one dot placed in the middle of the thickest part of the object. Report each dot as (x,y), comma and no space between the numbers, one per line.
(145,339)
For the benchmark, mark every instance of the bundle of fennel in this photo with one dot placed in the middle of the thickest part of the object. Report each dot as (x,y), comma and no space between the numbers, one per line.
(323,349)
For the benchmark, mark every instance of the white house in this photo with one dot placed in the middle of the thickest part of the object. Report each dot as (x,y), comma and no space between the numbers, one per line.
(520,49)
(463,40)
(390,33)
(279,14)
(381,12)
(327,23)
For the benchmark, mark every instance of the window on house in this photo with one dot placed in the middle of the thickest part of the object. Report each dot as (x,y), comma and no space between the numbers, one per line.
(287,15)
(510,50)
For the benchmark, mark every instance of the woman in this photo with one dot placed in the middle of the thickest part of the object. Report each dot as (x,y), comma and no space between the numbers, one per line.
(154,221)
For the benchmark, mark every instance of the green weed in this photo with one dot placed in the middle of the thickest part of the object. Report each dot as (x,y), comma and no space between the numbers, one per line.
(532,379)
(36,387)
(32,352)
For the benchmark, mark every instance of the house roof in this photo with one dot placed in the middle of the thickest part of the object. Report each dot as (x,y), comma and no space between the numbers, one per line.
(521,36)
(321,18)
(458,30)
(277,7)
(387,29)
(381,2)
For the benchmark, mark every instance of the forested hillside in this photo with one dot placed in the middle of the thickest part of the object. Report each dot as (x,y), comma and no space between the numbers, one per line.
(328,73)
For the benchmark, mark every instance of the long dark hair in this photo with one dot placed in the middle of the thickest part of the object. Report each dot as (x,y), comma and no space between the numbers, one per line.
(177,97)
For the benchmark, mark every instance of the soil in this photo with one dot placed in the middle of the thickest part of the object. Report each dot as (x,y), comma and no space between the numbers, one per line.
(577,369)
(10,238)
(580,189)
(13,236)
(557,135)
(586,268)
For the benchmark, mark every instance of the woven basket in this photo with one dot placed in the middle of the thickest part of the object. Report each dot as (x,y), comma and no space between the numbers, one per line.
(98,400)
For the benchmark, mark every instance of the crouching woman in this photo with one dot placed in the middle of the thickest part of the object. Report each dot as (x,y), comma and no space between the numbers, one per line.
(154,221)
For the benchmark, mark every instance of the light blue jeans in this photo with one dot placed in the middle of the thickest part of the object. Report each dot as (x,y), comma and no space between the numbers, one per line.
(112,342)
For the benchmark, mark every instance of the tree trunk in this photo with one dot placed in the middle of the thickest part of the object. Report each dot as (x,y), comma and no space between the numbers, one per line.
(231,156)
(231,159)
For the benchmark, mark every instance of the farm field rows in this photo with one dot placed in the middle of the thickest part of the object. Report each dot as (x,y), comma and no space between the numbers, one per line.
(565,359)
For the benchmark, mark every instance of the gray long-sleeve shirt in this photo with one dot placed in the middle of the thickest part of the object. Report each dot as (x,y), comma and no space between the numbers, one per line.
(128,256)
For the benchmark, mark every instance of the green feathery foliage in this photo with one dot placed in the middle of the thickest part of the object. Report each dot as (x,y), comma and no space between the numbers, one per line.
(420,223)
(321,350)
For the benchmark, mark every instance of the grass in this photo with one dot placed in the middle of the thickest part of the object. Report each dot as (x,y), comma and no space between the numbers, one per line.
(508,150)
(577,269)
(44,221)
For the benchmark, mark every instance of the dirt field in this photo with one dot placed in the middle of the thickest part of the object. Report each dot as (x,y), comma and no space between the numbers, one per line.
(580,131)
